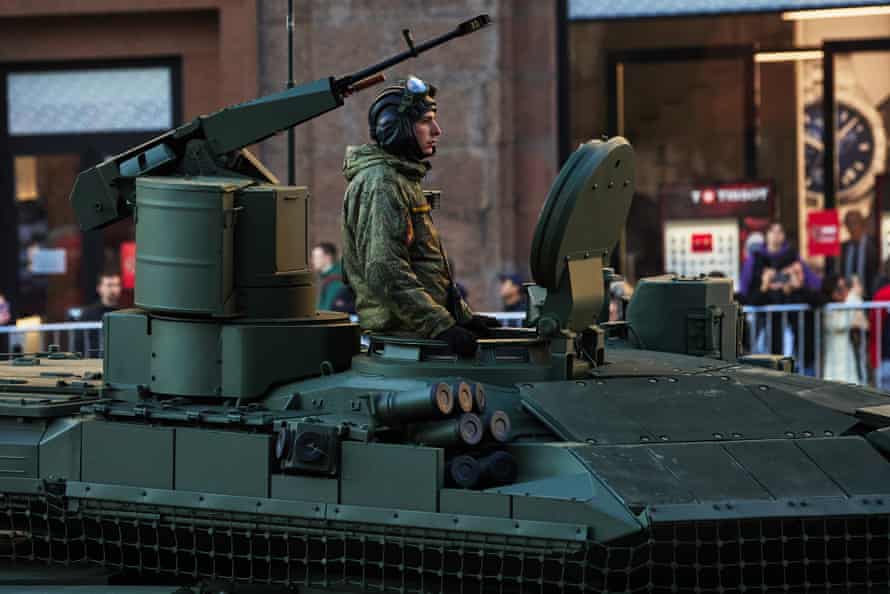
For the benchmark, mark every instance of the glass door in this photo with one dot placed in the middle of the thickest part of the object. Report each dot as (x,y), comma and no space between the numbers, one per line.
(687,114)
(50,247)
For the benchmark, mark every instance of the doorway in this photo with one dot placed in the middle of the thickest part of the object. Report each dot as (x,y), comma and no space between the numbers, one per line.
(58,119)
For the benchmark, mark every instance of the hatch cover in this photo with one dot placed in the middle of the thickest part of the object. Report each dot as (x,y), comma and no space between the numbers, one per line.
(585,209)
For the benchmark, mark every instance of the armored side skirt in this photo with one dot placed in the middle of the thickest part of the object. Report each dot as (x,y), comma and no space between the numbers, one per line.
(803,554)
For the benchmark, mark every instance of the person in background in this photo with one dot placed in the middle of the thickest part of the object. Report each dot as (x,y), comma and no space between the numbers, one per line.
(774,261)
(620,292)
(859,254)
(5,318)
(775,275)
(330,275)
(108,287)
(840,360)
(879,322)
(513,298)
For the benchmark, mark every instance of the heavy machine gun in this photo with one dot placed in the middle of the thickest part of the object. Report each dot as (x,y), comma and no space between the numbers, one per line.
(214,144)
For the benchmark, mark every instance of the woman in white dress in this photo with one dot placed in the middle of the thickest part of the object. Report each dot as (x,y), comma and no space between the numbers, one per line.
(840,360)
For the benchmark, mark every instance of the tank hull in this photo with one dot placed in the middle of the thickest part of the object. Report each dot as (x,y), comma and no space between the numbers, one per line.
(620,487)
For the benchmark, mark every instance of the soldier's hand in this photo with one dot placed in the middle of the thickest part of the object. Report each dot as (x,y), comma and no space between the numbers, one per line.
(481,325)
(460,340)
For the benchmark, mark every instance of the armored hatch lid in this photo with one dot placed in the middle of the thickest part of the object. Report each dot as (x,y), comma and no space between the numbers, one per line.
(585,208)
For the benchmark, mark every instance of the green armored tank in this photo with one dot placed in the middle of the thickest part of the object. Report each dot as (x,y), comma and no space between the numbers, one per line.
(234,435)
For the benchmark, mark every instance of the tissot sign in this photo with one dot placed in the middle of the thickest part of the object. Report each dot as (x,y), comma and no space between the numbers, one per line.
(734,193)
(707,228)
(718,200)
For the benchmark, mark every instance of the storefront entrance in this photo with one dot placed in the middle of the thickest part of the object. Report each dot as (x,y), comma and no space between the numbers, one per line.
(58,119)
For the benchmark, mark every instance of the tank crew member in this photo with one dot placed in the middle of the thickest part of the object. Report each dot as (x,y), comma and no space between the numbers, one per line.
(392,254)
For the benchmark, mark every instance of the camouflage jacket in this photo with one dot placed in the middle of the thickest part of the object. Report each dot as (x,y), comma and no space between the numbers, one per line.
(391,250)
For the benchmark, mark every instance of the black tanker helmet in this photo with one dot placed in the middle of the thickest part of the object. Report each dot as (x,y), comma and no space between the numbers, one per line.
(394,112)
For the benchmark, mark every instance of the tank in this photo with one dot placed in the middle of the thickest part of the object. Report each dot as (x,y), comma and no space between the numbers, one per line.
(233,435)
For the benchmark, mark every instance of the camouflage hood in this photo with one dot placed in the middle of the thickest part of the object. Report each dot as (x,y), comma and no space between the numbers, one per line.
(359,158)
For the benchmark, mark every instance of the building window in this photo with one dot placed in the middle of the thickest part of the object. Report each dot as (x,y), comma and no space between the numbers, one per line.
(89,101)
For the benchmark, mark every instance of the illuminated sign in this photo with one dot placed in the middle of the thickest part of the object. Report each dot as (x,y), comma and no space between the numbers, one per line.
(702,243)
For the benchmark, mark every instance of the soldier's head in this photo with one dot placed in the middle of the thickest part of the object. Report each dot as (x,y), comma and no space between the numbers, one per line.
(4,310)
(402,119)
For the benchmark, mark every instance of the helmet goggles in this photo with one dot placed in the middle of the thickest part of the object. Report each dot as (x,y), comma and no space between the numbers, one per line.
(416,91)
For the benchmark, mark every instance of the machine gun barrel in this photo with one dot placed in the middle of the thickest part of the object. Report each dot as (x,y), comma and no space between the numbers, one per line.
(414,51)
(215,144)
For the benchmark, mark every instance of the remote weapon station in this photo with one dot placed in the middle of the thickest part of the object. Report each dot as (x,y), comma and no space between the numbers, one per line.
(235,435)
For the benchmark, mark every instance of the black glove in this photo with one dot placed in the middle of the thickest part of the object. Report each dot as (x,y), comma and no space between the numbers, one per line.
(481,325)
(460,340)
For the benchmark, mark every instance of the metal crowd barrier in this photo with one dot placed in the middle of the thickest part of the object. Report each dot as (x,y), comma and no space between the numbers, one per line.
(506,318)
(75,337)
(761,328)
(796,332)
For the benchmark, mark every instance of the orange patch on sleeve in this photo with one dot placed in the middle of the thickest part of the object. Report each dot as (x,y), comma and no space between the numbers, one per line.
(409,238)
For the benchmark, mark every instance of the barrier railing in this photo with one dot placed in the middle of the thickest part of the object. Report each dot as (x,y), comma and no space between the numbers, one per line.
(76,337)
(506,318)
(782,330)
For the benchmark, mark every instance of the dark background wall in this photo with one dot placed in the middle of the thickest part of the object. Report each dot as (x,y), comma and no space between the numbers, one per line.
(686,119)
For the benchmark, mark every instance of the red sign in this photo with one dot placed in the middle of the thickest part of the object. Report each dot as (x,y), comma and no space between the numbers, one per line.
(702,243)
(128,264)
(823,233)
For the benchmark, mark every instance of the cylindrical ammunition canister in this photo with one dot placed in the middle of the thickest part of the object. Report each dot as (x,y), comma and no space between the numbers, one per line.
(478,397)
(433,402)
(498,468)
(497,422)
(465,471)
(466,430)
(464,395)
